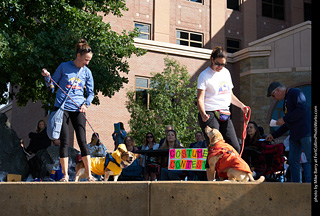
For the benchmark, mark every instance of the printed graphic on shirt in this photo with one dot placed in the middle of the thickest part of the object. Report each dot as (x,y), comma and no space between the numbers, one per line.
(77,85)
(224,88)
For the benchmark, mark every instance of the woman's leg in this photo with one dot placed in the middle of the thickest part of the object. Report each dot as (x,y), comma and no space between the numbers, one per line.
(229,134)
(79,125)
(64,140)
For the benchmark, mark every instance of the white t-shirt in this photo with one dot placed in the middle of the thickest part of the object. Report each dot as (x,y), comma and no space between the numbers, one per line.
(218,88)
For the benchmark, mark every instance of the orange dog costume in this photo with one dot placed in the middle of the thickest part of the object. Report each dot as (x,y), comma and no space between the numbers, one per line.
(230,158)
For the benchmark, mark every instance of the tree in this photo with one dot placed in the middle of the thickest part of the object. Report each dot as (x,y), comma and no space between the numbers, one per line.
(42,33)
(172,102)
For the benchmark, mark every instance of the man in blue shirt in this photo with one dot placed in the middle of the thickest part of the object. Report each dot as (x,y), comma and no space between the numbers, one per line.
(297,119)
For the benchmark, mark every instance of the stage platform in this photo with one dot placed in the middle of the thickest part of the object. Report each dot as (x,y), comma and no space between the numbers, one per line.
(172,198)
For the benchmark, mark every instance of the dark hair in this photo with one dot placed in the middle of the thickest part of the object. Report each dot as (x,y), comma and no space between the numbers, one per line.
(218,52)
(145,141)
(83,47)
(256,136)
(95,135)
(121,126)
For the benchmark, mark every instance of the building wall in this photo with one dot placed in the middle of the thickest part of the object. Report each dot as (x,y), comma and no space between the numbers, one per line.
(284,57)
(252,68)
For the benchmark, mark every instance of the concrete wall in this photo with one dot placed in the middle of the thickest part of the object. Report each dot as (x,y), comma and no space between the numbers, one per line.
(155,198)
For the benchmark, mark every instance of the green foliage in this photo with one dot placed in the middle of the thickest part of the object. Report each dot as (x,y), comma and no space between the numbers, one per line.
(172,102)
(43,33)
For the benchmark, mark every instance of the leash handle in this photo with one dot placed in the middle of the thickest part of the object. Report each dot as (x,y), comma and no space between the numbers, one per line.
(246,119)
(47,74)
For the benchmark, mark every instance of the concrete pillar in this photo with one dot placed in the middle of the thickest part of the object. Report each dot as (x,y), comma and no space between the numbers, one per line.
(218,19)
(162,20)
(249,8)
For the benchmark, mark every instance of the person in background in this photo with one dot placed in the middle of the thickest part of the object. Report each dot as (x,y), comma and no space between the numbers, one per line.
(252,150)
(118,137)
(96,148)
(296,119)
(149,163)
(39,139)
(168,127)
(170,142)
(200,141)
(130,144)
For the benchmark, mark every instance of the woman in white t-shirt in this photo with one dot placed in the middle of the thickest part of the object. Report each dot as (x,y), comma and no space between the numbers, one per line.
(214,90)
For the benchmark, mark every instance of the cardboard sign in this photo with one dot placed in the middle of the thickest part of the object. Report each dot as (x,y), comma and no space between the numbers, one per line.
(188,159)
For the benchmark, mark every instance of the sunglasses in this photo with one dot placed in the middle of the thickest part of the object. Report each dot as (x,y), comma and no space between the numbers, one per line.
(85,50)
(220,64)
(149,137)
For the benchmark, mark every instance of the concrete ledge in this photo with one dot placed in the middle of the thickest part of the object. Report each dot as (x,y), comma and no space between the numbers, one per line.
(155,198)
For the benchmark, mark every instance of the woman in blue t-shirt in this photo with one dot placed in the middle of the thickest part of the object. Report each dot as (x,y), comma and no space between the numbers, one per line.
(65,76)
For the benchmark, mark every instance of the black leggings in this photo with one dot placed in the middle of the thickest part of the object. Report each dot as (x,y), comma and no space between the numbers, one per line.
(79,124)
(226,128)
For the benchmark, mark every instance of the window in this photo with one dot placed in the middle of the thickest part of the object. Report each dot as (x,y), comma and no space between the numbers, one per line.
(144,30)
(198,1)
(233,4)
(273,9)
(189,38)
(142,85)
(233,45)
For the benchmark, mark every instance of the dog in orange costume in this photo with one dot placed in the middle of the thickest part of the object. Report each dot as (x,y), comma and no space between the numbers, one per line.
(224,159)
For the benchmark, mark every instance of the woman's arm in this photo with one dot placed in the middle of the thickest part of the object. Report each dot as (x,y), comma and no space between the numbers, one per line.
(200,103)
(235,101)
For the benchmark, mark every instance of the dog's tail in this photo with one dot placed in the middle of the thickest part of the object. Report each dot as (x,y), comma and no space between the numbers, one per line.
(261,179)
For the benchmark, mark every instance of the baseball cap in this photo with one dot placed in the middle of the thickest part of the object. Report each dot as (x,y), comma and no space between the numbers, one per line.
(272,87)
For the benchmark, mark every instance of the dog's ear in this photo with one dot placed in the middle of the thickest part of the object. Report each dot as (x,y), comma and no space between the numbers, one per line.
(122,148)
(136,156)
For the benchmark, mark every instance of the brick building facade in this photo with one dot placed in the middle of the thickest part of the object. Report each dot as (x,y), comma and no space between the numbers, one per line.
(266,40)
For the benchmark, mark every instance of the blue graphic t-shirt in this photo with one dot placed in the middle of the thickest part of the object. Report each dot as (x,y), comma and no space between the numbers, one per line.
(65,75)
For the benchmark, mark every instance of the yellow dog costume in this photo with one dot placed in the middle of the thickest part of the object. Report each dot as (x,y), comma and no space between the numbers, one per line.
(111,161)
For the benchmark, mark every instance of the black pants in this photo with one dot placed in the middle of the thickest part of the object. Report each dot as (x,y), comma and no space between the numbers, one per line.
(79,124)
(226,128)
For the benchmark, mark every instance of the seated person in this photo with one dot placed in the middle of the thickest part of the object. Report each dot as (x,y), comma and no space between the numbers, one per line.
(134,171)
(171,141)
(149,163)
(130,144)
(96,148)
(169,127)
(252,150)
(38,140)
(200,143)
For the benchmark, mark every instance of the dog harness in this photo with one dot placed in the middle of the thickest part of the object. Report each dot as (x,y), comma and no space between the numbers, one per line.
(229,158)
(111,161)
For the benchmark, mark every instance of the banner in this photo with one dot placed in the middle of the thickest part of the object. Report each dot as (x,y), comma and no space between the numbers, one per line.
(193,159)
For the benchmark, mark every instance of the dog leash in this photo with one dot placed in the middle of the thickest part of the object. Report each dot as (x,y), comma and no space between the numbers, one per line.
(96,134)
(246,118)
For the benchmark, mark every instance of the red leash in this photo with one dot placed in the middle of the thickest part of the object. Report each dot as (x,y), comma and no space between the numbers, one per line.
(246,119)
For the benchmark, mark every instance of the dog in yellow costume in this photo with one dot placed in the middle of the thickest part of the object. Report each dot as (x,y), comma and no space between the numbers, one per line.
(112,164)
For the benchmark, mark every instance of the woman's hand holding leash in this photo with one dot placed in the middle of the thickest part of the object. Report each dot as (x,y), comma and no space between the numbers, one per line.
(205,117)
(45,72)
